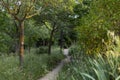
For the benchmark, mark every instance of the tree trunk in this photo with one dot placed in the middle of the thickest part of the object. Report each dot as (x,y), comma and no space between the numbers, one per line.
(21,50)
(61,40)
(29,49)
(50,42)
(29,45)
(16,37)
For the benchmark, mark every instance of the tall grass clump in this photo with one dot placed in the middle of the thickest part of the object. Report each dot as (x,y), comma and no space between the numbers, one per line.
(104,66)
(86,68)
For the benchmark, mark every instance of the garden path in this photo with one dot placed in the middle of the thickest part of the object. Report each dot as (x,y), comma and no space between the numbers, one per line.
(52,75)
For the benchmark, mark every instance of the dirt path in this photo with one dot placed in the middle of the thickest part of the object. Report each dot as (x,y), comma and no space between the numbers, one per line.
(54,73)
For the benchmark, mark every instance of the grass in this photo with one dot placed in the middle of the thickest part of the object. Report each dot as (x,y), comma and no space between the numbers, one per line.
(92,69)
(102,66)
(84,67)
(35,66)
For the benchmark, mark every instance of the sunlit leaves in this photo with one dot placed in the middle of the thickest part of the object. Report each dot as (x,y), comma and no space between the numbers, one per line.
(20,9)
(103,15)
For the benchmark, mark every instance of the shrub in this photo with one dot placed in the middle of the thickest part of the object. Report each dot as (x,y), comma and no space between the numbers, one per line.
(74,49)
(54,59)
(86,68)
(100,67)
(42,50)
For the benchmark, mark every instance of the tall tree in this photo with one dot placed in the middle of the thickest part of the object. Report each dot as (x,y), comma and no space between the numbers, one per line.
(52,14)
(20,10)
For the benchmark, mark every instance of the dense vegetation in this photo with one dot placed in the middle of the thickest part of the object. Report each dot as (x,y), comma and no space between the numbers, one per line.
(35,65)
(33,34)
(97,36)
(98,67)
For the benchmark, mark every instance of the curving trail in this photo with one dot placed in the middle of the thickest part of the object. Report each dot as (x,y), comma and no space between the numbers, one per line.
(52,75)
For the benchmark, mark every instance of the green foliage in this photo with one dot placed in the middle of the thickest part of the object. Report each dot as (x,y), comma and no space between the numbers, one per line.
(92,20)
(73,69)
(93,27)
(35,66)
(54,59)
(91,69)
(42,50)
(55,17)
(112,45)
(101,67)
(105,69)
(74,50)
(34,32)
(6,33)
(9,33)
(4,40)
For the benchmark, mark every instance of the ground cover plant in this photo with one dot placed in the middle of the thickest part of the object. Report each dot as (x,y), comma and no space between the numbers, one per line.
(35,66)
(103,66)
(33,34)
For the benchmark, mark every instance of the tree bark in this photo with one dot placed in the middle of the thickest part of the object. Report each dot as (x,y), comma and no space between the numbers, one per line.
(61,39)
(16,37)
(21,50)
(29,45)
(50,42)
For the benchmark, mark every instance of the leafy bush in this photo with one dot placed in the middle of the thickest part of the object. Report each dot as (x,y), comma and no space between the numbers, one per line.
(86,68)
(54,59)
(93,27)
(74,49)
(42,50)
(100,67)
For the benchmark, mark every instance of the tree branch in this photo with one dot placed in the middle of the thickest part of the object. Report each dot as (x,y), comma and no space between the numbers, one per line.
(45,25)
(18,10)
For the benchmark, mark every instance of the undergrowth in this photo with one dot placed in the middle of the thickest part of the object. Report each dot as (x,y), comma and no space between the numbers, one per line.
(35,66)
(103,66)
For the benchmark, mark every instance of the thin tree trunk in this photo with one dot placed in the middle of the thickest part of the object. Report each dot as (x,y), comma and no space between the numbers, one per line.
(21,52)
(61,40)
(50,42)
(16,38)
(29,49)
(29,46)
